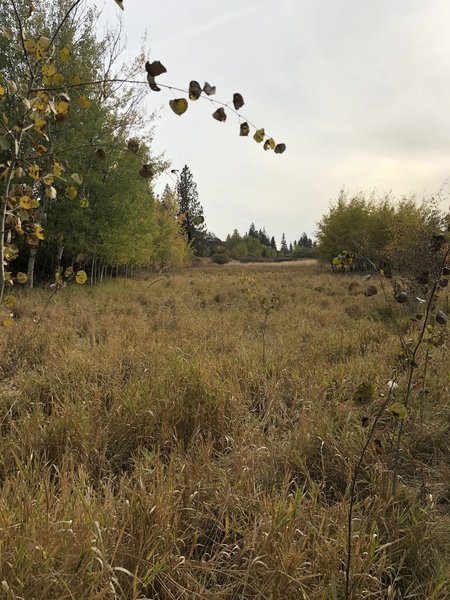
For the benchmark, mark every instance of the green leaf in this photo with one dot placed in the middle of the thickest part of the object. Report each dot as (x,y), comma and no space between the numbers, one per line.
(179,106)
(269,144)
(220,115)
(244,130)
(238,101)
(259,135)
(398,410)
(195,91)
(280,148)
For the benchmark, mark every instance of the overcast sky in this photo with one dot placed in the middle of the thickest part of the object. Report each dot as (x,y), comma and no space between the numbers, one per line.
(358,91)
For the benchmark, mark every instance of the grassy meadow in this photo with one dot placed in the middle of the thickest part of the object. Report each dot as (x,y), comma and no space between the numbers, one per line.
(196,439)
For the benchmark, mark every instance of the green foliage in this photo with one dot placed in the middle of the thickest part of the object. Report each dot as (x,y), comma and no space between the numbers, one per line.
(389,233)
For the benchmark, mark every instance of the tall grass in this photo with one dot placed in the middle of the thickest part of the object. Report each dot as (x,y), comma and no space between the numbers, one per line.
(147,451)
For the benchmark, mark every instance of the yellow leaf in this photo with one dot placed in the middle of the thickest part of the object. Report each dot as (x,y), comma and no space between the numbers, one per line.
(84,202)
(57,169)
(64,54)
(8,322)
(21,277)
(71,193)
(34,172)
(84,102)
(29,45)
(62,107)
(2,90)
(75,80)
(40,125)
(179,106)
(68,272)
(58,79)
(43,42)
(269,144)
(25,202)
(38,52)
(39,232)
(81,277)
(9,302)
(259,135)
(48,70)
(34,203)
(398,410)
(48,179)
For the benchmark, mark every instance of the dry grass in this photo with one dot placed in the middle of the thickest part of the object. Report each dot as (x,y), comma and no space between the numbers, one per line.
(147,453)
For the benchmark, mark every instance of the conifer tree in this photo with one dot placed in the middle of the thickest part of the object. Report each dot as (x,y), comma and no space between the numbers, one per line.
(190,210)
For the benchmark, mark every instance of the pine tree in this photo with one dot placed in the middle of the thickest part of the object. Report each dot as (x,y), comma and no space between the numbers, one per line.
(252,232)
(284,246)
(273,244)
(190,210)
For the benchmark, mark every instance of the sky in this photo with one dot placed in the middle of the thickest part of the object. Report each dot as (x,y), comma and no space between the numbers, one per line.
(358,91)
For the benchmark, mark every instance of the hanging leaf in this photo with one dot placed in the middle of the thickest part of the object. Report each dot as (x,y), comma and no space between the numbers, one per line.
(238,101)
(146,171)
(120,5)
(133,145)
(64,54)
(209,90)
(62,108)
(364,394)
(43,42)
(179,106)
(77,178)
(50,192)
(280,148)
(269,144)
(84,102)
(398,410)
(100,154)
(25,202)
(71,193)
(9,302)
(81,276)
(155,68)
(244,129)
(48,70)
(39,232)
(220,115)
(21,277)
(152,83)
(259,135)
(57,169)
(34,172)
(58,79)
(195,91)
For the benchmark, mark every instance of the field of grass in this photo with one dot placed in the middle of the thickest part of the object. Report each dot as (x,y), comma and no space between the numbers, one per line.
(151,447)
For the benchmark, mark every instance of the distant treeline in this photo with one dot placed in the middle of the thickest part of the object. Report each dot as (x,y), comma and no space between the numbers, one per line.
(255,245)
